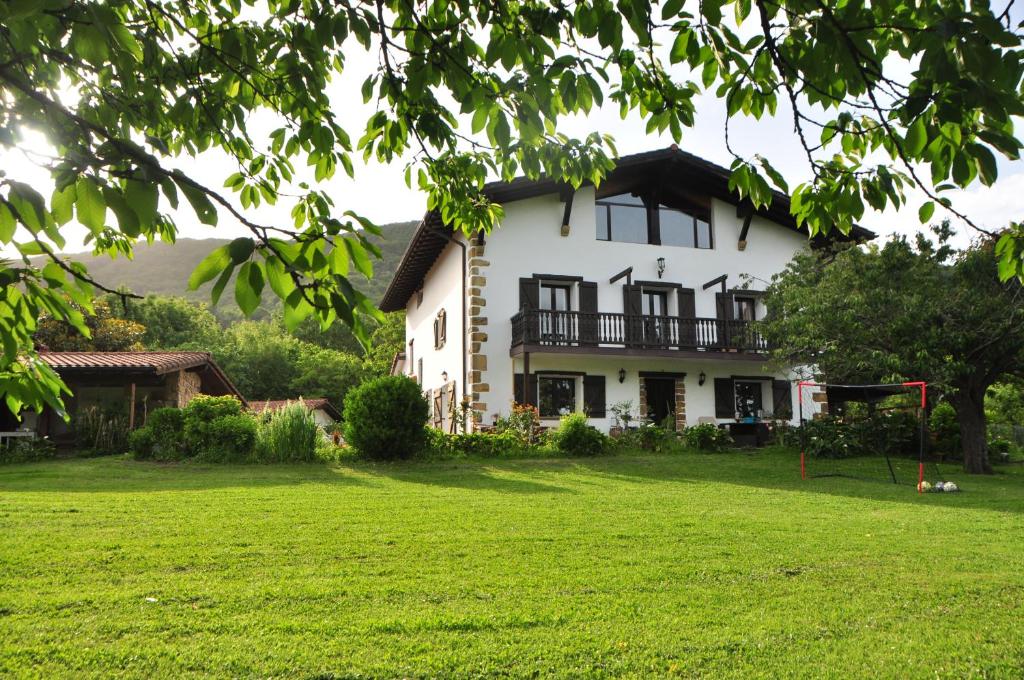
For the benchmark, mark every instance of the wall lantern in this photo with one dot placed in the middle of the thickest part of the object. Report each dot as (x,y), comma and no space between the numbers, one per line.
(661,266)
(701,379)
(444,376)
(622,375)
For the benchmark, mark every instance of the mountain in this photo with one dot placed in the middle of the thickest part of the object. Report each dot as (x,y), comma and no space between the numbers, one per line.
(164,269)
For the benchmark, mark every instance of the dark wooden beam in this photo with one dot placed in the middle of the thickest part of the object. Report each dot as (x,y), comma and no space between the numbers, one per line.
(720,280)
(627,273)
(566,195)
(746,211)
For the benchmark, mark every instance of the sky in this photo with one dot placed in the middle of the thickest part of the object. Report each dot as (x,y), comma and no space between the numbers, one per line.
(379,192)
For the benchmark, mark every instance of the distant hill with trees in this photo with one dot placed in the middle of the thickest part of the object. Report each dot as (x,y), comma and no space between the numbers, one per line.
(163,269)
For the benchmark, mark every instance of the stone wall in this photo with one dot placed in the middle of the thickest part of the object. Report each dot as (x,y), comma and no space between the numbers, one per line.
(478,389)
(182,387)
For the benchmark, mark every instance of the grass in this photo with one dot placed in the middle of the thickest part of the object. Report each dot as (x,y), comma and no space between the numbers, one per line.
(725,565)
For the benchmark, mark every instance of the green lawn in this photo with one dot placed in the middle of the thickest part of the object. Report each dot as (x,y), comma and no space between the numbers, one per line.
(724,565)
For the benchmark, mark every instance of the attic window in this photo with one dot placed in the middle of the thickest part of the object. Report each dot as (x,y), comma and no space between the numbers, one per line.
(626,218)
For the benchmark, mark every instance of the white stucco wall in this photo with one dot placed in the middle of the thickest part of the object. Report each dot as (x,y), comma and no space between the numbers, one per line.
(529,242)
(442,289)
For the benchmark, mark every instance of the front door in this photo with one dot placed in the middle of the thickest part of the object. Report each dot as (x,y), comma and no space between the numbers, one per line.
(661,401)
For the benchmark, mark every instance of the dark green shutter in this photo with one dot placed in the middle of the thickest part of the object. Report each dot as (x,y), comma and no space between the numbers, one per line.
(782,399)
(594,396)
(725,398)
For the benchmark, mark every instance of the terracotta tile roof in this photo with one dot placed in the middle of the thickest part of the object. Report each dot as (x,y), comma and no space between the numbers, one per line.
(155,362)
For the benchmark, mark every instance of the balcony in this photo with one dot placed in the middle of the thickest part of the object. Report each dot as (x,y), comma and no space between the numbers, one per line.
(610,333)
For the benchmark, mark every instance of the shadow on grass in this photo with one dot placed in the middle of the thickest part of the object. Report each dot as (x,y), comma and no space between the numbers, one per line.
(779,470)
(769,469)
(471,474)
(117,474)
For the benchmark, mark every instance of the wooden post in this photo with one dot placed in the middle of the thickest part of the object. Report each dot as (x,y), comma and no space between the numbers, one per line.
(526,378)
(131,408)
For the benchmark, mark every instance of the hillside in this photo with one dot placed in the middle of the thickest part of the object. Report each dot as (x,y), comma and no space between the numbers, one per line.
(164,268)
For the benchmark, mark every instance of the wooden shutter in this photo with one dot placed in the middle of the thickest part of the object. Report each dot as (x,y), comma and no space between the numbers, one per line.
(687,314)
(725,398)
(782,399)
(529,294)
(632,301)
(588,326)
(442,328)
(594,396)
(687,303)
(517,389)
(723,304)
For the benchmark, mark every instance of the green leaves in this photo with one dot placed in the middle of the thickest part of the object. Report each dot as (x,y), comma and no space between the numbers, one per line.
(249,287)
(90,207)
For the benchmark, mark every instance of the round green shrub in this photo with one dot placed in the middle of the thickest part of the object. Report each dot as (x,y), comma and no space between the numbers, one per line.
(576,437)
(217,430)
(161,437)
(385,418)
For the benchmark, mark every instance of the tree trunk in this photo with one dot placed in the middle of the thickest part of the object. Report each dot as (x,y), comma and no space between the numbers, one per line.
(970,412)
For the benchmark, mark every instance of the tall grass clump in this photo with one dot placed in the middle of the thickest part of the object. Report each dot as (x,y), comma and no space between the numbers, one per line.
(288,435)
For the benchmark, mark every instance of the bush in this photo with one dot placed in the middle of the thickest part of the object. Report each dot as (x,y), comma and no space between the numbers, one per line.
(892,433)
(385,418)
(706,437)
(216,429)
(523,422)
(26,450)
(945,429)
(161,437)
(289,434)
(100,431)
(477,445)
(647,437)
(575,437)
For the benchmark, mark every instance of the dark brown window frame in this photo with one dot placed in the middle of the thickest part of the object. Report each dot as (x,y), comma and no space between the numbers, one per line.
(653,209)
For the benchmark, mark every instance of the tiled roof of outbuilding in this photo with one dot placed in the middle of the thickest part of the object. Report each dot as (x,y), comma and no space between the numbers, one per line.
(156,362)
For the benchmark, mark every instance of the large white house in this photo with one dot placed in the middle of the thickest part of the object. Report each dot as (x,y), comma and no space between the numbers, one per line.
(640,290)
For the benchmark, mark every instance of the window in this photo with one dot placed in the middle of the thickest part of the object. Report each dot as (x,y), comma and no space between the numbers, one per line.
(745,308)
(554,297)
(627,219)
(557,395)
(655,303)
(681,228)
(440,329)
(622,218)
(748,398)
(419,371)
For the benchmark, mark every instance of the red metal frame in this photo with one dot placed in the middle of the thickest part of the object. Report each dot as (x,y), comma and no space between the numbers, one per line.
(924,402)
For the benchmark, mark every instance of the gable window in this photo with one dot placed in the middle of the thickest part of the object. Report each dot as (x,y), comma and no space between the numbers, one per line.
(744,308)
(556,395)
(622,218)
(626,218)
(440,329)
(683,228)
